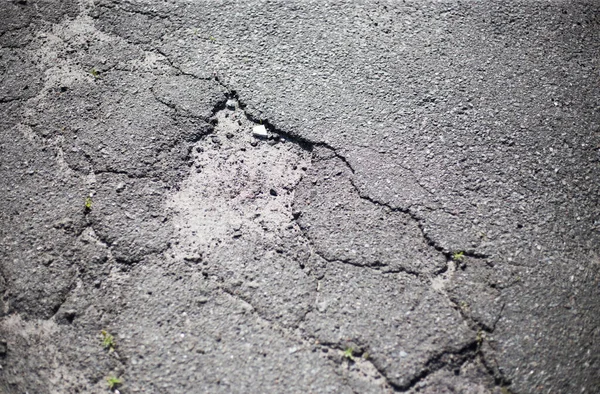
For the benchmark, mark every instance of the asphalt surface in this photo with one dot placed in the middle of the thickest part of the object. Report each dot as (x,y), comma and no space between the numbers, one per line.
(422,216)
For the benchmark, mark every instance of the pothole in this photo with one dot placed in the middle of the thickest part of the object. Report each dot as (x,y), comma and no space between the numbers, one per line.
(233,215)
(235,222)
(240,186)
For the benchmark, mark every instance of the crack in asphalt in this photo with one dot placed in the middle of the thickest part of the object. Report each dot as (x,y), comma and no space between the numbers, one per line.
(309,341)
(470,351)
(177,112)
(309,144)
(439,361)
(6,100)
(181,72)
(379,268)
(436,362)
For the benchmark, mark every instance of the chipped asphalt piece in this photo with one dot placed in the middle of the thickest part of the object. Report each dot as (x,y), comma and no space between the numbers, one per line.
(419,214)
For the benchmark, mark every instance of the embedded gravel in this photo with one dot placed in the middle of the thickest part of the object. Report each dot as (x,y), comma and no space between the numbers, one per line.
(421,216)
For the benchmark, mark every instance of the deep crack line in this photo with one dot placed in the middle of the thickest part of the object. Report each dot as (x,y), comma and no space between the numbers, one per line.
(312,144)
(379,268)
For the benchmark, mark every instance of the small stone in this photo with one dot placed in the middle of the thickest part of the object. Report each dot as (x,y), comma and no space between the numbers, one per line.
(229,135)
(120,187)
(403,354)
(260,131)
(230,104)
(215,140)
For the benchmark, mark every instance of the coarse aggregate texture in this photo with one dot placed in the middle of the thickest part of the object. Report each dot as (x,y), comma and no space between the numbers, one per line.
(422,215)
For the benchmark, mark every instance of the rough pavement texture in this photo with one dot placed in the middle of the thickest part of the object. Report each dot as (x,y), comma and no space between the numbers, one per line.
(422,216)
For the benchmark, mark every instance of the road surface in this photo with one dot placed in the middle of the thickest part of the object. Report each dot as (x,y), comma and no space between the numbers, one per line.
(422,215)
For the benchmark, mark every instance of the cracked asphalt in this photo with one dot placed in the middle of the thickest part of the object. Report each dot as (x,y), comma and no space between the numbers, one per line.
(423,215)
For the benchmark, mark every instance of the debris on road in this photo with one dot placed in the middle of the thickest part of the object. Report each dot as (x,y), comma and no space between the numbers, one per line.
(260,131)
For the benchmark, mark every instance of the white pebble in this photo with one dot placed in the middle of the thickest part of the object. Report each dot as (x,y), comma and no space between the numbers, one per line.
(260,131)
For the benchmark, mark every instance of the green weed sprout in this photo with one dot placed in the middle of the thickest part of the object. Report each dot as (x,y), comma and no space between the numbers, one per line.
(348,354)
(113,382)
(458,256)
(88,204)
(108,341)
(480,337)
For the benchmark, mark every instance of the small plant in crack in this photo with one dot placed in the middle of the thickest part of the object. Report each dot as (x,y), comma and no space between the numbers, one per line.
(349,354)
(480,337)
(458,256)
(87,206)
(95,73)
(113,381)
(108,341)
